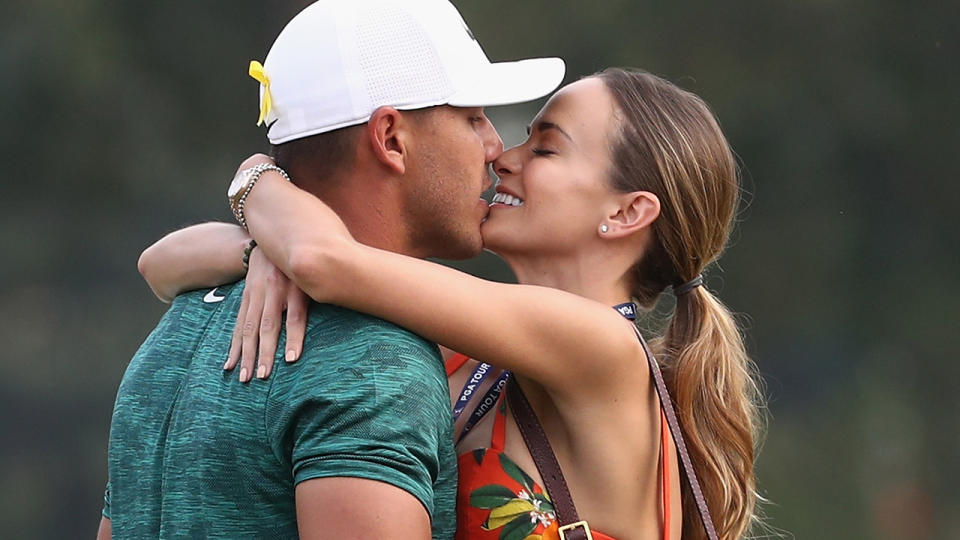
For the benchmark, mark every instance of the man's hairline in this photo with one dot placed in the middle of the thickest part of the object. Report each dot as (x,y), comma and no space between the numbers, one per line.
(353,136)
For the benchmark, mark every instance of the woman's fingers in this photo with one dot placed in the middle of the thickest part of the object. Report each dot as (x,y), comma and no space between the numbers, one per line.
(246,331)
(251,333)
(236,342)
(297,304)
(269,322)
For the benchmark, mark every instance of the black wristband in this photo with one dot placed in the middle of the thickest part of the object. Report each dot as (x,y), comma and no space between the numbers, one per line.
(246,253)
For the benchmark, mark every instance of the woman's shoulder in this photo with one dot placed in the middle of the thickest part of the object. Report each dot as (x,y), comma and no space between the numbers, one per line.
(611,362)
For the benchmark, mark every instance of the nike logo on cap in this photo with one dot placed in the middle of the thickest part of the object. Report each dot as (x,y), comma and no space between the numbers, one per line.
(212,298)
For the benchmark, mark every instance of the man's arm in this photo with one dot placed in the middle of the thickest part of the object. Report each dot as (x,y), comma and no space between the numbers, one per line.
(103,533)
(368,414)
(355,508)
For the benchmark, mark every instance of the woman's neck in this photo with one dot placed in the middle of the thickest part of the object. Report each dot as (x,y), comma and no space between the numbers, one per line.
(589,277)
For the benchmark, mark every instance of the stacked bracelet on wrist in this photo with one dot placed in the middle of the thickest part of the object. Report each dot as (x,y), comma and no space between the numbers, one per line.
(242,185)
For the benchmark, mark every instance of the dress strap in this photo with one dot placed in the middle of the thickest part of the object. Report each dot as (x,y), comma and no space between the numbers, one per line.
(499,437)
(665,465)
(666,406)
(456,362)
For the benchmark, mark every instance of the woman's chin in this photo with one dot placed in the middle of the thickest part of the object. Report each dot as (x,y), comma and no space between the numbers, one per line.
(496,239)
(490,235)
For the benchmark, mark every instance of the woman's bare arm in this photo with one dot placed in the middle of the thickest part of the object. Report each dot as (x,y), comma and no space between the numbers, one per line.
(552,336)
(211,254)
(203,255)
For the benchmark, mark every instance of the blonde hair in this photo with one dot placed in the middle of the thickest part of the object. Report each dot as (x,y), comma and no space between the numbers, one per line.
(668,142)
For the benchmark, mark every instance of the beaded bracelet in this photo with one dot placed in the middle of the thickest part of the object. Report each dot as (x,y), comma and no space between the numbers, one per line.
(256,172)
(246,253)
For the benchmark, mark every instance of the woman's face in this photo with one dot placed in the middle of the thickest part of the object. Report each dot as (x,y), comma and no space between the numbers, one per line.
(554,190)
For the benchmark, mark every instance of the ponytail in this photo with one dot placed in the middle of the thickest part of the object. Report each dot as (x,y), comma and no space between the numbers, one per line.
(711,380)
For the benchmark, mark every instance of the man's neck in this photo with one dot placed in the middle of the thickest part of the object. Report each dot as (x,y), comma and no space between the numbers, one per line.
(373,216)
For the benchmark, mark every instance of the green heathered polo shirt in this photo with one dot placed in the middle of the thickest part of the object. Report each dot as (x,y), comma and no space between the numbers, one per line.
(196,454)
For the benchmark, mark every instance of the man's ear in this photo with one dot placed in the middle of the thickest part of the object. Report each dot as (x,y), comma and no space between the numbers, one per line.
(387,131)
(635,211)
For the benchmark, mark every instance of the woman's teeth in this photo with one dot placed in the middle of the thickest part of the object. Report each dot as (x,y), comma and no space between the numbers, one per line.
(506,198)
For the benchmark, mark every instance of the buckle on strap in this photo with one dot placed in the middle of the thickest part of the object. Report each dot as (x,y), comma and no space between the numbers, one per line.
(569,528)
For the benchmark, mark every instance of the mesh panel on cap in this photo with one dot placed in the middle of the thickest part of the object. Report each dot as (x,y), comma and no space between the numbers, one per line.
(399,63)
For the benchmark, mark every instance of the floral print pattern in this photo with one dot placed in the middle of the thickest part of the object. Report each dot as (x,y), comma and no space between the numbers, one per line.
(524,514)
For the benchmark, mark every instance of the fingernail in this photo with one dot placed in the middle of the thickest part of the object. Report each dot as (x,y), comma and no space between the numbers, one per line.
(243,375)
(261,372)
(226,365)
(291,355)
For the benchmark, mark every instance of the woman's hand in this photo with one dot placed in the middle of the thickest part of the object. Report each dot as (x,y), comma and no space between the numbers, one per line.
(254,160)
(265,297)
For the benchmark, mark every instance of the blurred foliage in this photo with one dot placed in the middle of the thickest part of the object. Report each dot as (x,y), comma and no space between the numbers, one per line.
(125,120)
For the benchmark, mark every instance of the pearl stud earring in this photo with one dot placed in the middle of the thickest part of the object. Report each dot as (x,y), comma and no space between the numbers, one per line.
(604,228)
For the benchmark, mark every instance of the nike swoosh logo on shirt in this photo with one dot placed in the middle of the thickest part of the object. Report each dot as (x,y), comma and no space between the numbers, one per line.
(212,298)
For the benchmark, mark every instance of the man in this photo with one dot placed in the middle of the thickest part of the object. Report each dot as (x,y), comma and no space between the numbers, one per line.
(376,107)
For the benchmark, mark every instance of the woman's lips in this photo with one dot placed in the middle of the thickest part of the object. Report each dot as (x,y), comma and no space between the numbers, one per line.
(506,199)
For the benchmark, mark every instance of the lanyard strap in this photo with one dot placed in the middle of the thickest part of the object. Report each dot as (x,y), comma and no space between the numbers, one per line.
(627,309)
(486,404)
(473,382)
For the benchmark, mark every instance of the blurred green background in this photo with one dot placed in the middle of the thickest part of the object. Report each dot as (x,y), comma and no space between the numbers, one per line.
(126,120)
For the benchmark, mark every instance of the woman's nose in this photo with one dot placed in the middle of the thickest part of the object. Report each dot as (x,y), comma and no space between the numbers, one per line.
(508,162)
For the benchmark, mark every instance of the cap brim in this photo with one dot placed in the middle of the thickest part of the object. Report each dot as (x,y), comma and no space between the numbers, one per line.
(504,83)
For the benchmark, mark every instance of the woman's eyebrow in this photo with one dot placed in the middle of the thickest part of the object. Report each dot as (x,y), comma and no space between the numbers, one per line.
(544,125)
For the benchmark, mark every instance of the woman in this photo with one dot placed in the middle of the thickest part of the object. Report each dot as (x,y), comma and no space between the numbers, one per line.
(625,186)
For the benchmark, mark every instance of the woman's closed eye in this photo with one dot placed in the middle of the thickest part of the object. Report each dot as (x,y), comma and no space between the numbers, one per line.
(542,151)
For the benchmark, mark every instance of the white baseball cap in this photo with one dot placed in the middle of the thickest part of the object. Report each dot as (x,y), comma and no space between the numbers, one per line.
(338,61)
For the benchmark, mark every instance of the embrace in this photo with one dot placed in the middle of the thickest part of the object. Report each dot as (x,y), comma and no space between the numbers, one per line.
(295,387)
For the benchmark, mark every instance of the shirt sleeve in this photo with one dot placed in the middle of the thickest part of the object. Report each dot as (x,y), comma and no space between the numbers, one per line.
(375,408)
(106,501)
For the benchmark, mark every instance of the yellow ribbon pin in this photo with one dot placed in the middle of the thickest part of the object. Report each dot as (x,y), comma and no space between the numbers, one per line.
(257,72)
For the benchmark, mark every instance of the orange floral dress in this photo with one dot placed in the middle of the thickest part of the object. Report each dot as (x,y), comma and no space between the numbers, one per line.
(496,500)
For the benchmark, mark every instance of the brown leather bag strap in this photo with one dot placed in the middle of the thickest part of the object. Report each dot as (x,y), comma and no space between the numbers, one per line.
(549,468)
(545,460)
(667,405)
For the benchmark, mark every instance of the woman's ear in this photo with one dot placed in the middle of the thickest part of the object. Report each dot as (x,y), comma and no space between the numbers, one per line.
(635,211)
(387,130)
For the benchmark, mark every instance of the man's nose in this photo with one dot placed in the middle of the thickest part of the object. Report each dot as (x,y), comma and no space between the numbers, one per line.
(492,143)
